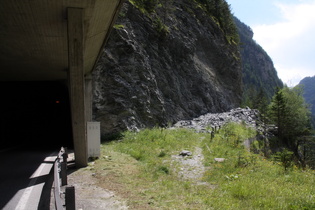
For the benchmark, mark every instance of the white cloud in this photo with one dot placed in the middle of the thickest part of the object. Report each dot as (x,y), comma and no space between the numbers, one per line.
(292,75)
(290,41)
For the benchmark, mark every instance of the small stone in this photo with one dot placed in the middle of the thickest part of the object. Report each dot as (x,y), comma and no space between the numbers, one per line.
(185,153)
(220,160)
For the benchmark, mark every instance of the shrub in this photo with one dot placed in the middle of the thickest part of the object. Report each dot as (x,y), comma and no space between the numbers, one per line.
(285,158)
(118,26)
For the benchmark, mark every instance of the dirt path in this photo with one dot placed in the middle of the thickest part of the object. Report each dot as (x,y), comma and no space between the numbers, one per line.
(89,195)
(191,167)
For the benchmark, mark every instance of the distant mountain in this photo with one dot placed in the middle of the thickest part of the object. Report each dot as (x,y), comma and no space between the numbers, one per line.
(308,84)
(258,71)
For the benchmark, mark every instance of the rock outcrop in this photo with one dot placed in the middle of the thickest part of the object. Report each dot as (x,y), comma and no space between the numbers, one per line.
(214,121)
(148,77)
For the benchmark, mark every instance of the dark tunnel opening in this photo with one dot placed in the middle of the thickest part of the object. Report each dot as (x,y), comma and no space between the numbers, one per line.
(35,115)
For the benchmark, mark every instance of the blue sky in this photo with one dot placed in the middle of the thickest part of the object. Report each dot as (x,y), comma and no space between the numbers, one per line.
(286,31)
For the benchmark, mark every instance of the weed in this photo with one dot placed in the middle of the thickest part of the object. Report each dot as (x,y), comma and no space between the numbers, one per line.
(164,169)
(232,177)
(162,154)
(161,27)
(137,154)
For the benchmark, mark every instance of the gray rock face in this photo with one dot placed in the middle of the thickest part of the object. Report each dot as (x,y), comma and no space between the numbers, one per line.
(148,77)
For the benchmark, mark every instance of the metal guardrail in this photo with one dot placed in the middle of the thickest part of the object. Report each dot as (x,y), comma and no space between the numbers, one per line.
(60,179)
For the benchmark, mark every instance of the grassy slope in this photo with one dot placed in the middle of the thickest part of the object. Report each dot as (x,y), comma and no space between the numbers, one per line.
(140,169)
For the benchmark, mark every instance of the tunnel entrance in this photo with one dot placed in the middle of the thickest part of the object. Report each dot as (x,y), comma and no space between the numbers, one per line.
(35,114)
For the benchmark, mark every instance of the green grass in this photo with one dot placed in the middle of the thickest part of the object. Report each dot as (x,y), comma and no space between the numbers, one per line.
(140,169)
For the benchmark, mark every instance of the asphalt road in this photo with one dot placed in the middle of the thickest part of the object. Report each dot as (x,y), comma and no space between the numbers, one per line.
(23,174)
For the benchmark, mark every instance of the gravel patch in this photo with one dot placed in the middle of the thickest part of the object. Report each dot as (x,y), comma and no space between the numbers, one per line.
(191,167)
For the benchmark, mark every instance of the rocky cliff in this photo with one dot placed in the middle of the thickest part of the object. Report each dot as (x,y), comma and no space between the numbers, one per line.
(163,67)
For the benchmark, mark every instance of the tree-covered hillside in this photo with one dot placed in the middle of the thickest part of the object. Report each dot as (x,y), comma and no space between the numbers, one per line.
(259,75)
(308,84)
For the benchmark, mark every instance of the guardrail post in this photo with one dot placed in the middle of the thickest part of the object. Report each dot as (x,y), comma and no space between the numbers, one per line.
(64,163)
(70,198)
(65,155)
(63,174)
(60,172)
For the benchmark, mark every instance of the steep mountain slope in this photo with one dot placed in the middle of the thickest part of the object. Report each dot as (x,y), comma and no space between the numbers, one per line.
(308,84)
(259,72)
(174,63)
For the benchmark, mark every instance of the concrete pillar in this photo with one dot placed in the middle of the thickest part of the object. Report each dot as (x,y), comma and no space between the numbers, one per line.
(88,98)
(77,84)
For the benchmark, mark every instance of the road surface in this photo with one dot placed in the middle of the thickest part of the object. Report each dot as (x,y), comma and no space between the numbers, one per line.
(23,175)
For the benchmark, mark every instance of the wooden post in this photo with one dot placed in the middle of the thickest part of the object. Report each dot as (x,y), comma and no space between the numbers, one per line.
(76,83)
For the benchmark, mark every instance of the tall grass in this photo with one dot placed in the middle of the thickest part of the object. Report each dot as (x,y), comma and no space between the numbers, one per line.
(139,168)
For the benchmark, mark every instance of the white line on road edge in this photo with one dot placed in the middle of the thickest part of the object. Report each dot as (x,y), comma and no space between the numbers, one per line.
(24,200)
(28,191)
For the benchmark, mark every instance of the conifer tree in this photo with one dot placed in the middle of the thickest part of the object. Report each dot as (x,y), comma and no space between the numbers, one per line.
(291,115)
(298,114)
(277,111)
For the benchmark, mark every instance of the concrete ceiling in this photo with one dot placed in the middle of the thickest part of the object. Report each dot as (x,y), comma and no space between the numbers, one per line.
(33,36)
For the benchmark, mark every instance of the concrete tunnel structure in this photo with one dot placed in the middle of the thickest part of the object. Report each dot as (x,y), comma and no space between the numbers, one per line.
(44,40)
